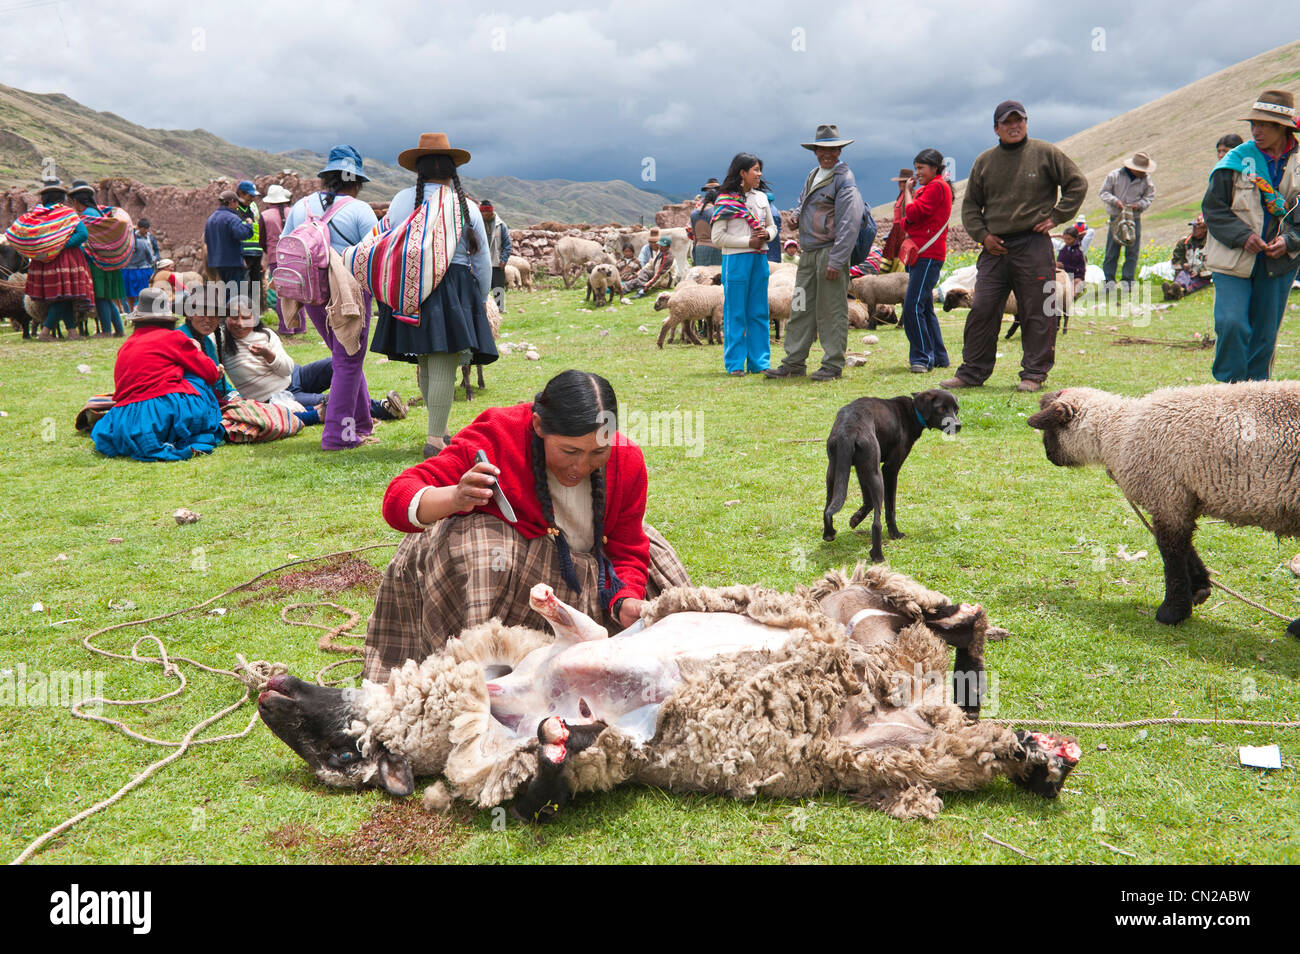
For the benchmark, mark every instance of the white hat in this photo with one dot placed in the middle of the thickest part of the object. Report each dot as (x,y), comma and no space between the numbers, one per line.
(276,194)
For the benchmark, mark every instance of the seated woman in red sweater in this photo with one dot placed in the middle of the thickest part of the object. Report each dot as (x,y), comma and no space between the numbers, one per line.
(161,407)
(578,492)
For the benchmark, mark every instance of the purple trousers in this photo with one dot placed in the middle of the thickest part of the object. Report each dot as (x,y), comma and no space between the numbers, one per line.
(347,413)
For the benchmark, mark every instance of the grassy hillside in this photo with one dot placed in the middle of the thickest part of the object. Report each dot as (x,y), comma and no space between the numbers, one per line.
(86,144)
(1178,131)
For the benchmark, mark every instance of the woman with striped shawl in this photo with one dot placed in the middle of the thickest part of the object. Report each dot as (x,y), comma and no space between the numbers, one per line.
(65,279)
(742,227)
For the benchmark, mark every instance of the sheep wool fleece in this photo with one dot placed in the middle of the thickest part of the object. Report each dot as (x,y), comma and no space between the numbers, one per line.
(755,722)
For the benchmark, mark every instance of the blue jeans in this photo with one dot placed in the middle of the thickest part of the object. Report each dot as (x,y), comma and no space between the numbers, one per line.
(920,323)
(1247,315)
(1131,254)
(746,338)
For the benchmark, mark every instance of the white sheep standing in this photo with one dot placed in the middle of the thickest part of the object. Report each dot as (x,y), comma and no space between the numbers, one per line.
(572,254)
(513,279)
(1230,451)
(603,284)
(524,268)
(686,305)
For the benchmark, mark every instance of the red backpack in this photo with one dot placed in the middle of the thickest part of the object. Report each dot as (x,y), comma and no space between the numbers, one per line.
(302,258)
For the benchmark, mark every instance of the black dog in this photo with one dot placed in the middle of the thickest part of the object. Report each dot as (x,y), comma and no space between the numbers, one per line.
(875,435)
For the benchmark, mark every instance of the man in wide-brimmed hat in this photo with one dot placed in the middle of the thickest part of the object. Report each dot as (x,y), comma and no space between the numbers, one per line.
(829,217)
(1128,189)
(1017,192)
(1252,211)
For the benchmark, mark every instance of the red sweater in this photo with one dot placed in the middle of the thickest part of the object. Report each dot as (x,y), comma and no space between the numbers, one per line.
(927,214)
(505,433)
(154,360)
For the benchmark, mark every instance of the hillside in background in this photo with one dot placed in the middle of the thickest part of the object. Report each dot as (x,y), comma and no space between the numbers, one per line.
(1178,131)
(91,145)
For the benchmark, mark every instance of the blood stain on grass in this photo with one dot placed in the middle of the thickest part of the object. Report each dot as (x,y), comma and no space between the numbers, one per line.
(393,831)
(330,576)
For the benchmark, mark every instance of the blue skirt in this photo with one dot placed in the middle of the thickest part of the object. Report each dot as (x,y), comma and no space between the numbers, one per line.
(165,428)
(136,280)
(452,319)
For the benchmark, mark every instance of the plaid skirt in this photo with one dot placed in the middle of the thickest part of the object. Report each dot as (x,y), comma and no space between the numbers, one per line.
(65,276)
(470,568)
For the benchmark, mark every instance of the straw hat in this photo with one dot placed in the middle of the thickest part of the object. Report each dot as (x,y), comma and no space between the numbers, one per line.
(1273,106)
(431,144)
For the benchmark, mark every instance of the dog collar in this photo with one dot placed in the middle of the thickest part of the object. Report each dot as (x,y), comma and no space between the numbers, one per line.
(862,614)
(919,417)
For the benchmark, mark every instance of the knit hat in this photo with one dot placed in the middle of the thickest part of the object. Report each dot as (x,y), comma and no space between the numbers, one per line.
(485,206)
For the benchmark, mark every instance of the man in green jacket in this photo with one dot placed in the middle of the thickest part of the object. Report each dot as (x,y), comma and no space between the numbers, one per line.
(1016,194)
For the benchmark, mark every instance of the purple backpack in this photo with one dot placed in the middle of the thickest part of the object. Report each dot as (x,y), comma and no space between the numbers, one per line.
(302,258)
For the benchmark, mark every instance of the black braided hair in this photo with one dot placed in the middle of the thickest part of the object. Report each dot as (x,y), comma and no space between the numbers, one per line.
(444,167)
(331,182)
(574,404)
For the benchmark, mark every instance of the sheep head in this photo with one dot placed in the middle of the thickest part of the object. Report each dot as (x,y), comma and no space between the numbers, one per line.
(957,298)
(663,300)
(319,723)
(1069,436)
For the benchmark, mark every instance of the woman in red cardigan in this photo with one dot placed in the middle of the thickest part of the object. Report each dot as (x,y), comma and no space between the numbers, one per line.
(927,203)
(577,489)
(164,408)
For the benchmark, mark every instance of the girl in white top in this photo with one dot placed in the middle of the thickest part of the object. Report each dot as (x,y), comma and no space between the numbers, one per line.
(742,227)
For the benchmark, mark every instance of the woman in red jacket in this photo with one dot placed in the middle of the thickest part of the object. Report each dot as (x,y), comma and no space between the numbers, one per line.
(577,489)
(163,405)
(927,203)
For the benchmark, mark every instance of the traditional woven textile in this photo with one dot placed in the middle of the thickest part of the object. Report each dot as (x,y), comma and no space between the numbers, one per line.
(401,266)
(730,205)
(111,240)
(251,422)
(41,233)
(1250,159)
(64,277)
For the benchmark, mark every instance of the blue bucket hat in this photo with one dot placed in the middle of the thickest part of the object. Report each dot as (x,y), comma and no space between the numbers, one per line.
(347,160)
(247,186)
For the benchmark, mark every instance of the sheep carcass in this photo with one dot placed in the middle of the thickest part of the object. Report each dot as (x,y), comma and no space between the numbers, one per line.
(734,691)
(687,305)
(525,270)
(572,254)
(1222,450)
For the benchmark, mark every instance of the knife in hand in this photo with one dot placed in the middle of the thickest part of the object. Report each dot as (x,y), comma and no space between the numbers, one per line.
(498,496)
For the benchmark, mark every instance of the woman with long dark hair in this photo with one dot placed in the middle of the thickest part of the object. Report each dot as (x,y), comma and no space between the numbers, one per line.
(453,318)
(577,492)
(742,227)
(927,204)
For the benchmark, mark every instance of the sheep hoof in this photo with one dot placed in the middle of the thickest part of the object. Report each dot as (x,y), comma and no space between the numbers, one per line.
(1048,760)
(1171,614)
(1294,629)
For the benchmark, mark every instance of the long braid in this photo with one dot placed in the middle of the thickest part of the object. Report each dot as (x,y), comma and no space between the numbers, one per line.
(471,238)
(567,571)
(419,190)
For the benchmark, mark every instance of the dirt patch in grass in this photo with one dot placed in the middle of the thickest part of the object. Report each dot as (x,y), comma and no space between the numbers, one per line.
(330,576)
(394,830)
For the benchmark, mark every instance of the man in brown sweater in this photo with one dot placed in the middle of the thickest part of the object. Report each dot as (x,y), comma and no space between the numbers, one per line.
(1011,207)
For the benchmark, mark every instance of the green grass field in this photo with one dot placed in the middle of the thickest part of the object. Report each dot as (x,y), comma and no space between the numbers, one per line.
(987,518)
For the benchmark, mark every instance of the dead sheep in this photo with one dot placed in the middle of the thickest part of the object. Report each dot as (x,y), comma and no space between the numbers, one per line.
(573,254)
(687,305)
(737,691)
(525,270)
(1219,450)
(603,284)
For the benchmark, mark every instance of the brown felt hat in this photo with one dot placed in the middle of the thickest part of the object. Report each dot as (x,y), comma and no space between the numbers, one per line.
(431,144)
(903,175)
(828,137)
(1140,162)
(1273,106)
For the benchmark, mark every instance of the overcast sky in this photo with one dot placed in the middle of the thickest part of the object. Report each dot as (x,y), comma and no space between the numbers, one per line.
(657,92)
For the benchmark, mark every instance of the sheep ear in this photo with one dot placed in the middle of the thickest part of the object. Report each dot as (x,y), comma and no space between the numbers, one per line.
(1055,413)
(395,775)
